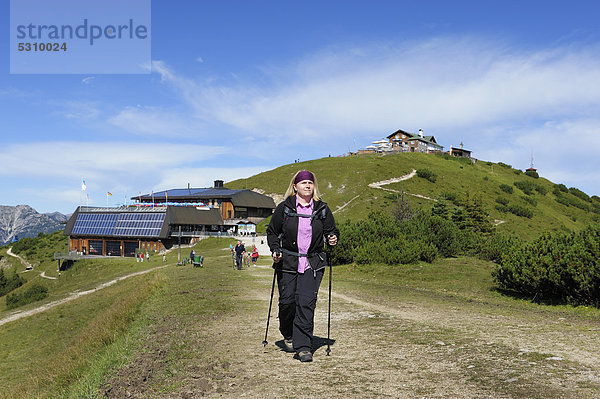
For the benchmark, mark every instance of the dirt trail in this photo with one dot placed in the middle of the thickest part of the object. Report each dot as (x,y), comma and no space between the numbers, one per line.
(74,295)
(416,349)
(23,261)
(380,184)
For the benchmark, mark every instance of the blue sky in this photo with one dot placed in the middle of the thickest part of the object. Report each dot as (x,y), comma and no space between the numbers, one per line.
(240,87)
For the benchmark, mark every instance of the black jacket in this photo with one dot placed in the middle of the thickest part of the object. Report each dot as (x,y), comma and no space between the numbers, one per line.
(282,232)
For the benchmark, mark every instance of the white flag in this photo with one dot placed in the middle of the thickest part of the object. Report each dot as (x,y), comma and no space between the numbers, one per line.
(83,186)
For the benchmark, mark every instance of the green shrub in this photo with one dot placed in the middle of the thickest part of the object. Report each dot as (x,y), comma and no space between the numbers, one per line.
(532,173)
(506,188)
(541,189)
(520,211)
(530,200)
(501,208)
(525,185)
(409,253)
(502,200)
(435,230)
(440,208)
(569,200)
(465,161)
(42,247)
(380,239)
(428,253)
(427,174)
(561,187)
(504,165)
(496,246)
(34,293)
(7,284)
(452,197)
(580,194)
(555,267)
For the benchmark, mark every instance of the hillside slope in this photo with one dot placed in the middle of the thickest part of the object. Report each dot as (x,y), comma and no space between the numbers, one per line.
(344,183)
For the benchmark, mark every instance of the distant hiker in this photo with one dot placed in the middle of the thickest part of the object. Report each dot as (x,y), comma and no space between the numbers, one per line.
(239,254)
(147,256)
(254,256)
(296,235)
(142,257)
(192,256)
(164,257)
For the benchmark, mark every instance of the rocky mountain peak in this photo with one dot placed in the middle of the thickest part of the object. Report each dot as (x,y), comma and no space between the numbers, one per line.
(23,221)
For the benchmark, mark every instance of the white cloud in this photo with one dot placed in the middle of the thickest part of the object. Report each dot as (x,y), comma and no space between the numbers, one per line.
(439,84)
(153,121)
(501,101)
(49,174)
(563,152)
(205,176)
(77,109)
(100,160)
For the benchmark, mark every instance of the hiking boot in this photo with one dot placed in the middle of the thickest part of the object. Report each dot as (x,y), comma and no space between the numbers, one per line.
(305,356)
(288,346)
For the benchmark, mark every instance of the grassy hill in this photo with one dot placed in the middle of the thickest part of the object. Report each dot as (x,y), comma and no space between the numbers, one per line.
(190,332)
(177,330)
(345,181)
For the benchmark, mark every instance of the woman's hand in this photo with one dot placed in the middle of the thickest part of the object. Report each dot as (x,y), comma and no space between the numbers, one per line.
(332,239)
(277,257)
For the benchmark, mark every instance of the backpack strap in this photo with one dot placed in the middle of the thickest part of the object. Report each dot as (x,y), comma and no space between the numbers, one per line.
(289,212)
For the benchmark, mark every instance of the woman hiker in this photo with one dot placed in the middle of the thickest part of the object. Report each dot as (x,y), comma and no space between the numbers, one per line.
(299,227)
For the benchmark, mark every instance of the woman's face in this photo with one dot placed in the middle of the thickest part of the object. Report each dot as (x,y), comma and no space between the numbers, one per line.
(305,188)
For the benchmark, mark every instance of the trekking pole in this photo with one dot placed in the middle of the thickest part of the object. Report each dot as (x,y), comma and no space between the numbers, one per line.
(270,304)
(328,351)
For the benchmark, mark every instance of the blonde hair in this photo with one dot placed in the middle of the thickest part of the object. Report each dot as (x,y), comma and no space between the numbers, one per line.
(292,191)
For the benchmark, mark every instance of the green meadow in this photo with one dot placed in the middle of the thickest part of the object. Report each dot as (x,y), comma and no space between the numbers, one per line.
(345,180)
(438,329)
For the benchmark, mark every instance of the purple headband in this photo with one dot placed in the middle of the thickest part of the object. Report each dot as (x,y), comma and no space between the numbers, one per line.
(304,175)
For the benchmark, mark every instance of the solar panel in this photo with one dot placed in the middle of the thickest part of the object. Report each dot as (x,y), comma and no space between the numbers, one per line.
(119,224)
(95,224)
(139,224)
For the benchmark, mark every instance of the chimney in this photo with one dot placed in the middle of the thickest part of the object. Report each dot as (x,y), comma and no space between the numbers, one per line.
(421,133)
(218,184)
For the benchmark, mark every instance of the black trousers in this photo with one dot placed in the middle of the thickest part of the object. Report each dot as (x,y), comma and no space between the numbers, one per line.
(297,303)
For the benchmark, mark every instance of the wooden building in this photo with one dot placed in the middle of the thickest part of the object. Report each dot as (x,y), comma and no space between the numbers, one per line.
(459,152)
(410,142)
(124,231)
(235,206)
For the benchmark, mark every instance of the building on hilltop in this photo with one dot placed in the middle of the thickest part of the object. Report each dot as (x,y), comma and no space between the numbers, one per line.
(459,152)
(404,141)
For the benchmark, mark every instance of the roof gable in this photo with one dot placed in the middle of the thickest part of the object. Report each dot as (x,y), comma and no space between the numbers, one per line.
(400,131)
